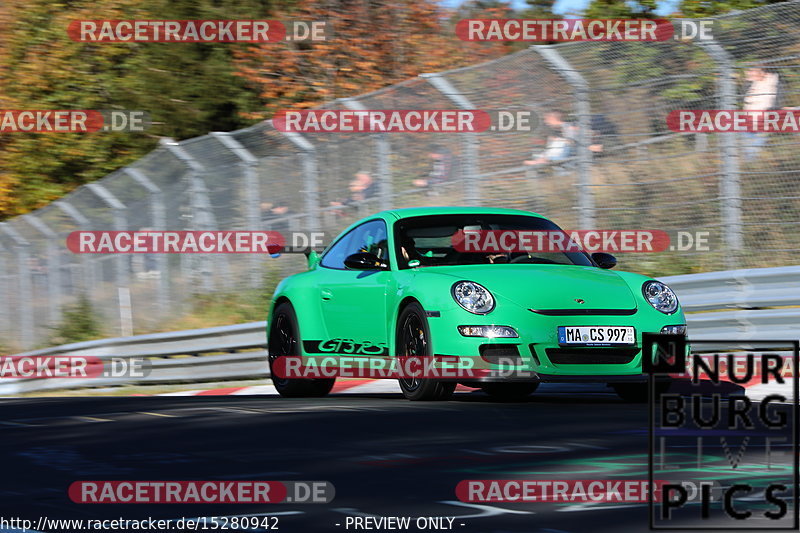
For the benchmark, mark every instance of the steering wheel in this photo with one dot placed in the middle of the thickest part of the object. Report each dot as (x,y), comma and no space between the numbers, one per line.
(527,258)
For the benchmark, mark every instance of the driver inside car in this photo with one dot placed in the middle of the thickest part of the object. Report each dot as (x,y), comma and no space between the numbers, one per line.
(408,248)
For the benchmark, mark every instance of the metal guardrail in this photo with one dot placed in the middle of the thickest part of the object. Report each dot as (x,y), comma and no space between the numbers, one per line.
(750,304)
(199,355)
(747,304)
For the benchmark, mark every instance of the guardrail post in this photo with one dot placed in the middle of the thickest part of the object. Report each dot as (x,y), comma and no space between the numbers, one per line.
(202,216)
(470,144)
(24,285)
(251,196)
(53,266)
(308,155)
(86,265)
(382,150)
(159,215)
(120,224)
(580,90)
(729,188)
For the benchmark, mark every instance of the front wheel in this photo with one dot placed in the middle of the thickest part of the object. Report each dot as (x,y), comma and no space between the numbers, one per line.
(639,392)
(413,340)
(284,340)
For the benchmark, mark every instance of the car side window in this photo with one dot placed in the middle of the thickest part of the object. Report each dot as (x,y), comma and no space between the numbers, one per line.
(368,237)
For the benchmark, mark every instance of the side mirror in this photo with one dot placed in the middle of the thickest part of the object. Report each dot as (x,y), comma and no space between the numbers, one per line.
(604,260)
(364,261)
(313,258)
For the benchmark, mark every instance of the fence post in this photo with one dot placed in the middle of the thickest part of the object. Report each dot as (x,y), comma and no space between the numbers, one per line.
(471,144)
(120,224)
(580,91)
(252,196)
(729,188)
(5,293)
(24,288)
(86,265)
(53,266)
(308,155)
(202,217)
(382,150)
(159,215)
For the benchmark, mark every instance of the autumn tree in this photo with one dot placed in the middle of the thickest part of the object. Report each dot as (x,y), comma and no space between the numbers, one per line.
(375,43)
(187,88)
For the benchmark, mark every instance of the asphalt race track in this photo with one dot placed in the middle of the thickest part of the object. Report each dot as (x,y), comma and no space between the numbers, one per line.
(385,456)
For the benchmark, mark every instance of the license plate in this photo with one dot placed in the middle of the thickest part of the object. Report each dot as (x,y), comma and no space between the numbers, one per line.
(596,335)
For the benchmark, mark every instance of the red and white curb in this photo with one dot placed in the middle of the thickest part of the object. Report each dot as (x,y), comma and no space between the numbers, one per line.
(390,386)
(356,386)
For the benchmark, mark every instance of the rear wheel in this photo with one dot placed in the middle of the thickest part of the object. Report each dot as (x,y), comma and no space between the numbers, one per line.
(284,340)
(510,392)
(639,392)
(413,340)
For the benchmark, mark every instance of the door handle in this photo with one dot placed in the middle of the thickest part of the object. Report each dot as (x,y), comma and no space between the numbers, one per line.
(326,294)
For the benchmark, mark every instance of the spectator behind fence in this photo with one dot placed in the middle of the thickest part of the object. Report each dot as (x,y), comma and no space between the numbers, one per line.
(762,94)
(274,215)
(441,161)
(560,141)
(603,132)
(362,187)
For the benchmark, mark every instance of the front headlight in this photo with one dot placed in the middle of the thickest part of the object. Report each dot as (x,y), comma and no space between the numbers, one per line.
(490,332)
(660,297)
(473,297)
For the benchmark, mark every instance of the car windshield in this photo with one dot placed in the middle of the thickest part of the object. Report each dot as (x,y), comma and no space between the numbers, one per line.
(427,241)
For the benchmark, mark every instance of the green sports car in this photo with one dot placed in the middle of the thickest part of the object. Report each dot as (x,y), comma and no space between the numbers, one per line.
(396,284)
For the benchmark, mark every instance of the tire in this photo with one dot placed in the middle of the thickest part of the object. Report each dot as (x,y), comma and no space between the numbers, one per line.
(413,339)
(638,392)
(284,339)
(509,392)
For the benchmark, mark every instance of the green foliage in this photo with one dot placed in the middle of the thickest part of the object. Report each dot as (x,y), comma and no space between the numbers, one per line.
(626,9)
(188,89)
(79,323)
(710,8)
(225,308)
(621,9)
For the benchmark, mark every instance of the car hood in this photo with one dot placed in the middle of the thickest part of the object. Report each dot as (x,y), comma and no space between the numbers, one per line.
(548,287)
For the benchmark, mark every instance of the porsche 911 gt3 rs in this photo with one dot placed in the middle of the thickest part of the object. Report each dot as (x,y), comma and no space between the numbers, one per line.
(394,284)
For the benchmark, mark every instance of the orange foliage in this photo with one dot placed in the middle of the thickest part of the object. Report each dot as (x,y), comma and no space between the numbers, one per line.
(374,44)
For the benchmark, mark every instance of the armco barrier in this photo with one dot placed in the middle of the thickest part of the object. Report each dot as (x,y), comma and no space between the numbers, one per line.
(750,304)
(754,304)
(209,354)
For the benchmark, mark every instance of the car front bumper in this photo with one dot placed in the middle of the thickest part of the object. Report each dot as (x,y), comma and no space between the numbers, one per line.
(536,354)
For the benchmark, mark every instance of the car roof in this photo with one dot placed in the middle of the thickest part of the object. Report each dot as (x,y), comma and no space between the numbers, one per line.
(393,215)
(426,211)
